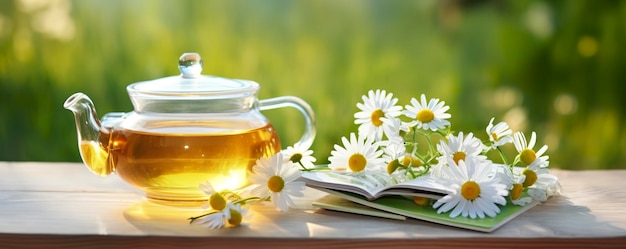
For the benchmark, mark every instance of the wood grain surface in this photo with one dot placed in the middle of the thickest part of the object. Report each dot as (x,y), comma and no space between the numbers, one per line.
(63,205)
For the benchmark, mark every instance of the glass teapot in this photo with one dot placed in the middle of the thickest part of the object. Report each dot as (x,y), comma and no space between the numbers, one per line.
(184,130)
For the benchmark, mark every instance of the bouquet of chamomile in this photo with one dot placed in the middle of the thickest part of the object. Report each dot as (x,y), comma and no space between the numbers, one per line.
(401,143)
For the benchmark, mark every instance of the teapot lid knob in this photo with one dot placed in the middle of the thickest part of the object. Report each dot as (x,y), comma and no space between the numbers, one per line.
(190,65)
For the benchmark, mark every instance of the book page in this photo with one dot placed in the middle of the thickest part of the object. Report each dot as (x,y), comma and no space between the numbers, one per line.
(366,185)
(373,186)
(425,186)
(335,203)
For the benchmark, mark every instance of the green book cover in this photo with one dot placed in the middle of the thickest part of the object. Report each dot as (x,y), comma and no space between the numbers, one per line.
(404,206)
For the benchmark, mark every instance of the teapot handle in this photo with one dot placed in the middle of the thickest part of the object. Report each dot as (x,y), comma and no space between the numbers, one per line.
(309,133)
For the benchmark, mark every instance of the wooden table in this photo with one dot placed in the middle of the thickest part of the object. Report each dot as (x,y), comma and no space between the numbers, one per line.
(61,205)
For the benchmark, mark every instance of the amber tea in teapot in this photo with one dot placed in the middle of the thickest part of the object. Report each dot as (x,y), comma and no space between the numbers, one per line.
(184,130)
(173,164)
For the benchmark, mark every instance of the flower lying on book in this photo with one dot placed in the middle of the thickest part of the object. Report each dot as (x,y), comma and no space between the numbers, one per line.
(396,145)
(474,192)
(401,141)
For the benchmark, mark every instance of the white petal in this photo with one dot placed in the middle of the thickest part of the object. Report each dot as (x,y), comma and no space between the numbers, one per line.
(519,141)
(459,209)
(537,194)
(449,204)
(214,221)
(533,139)
(443,200)
(522,201)
(280,202)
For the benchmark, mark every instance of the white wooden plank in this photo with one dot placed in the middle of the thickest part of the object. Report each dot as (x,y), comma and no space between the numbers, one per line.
(66,199)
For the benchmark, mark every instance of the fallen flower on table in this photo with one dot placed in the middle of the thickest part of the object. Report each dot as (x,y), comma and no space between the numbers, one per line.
(273,179)
(226,207)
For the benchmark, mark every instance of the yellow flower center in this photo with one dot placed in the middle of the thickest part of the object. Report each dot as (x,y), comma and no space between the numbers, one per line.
(235,217)
(495,136)
(420,201)
(295,158)
(531,177)
(376,115)
(527,156)
(425,116)
(275,184)
(470,190)
(217,202)
(516,192)
(392,166)
(357,162)
(458,156)
(411,161)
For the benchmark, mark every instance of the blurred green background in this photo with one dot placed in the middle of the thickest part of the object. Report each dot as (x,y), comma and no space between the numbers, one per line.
(554,67)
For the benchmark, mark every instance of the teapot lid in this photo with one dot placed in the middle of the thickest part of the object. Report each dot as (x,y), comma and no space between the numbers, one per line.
(191,83)
(191,91)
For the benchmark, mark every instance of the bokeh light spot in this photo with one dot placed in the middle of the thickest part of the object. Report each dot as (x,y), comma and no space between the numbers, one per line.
(565,104)
(587,46)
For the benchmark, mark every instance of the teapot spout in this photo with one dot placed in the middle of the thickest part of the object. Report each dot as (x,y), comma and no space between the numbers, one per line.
(92,136)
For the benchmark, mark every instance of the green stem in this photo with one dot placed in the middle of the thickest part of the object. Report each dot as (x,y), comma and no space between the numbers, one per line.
(246,200)
(316,168)
(431,149)
(192,219)
(302,166)
(408,169)
(421,158)
(503,157)
(515,161)
(440,132)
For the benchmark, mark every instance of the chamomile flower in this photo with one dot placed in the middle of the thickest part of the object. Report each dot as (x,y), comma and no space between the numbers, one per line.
(527,154)
(376,105)
(460,147)
(499,134)
(237,214)
(550,183)
(276,178)
(429,115)
(215,219)
(547,185)
(222,210)
(539,182)
(216,200)
(533,173)
(516,195)
(392,150)
(514,184)
(232,214)
(393,128)
(357,155)
(299,154)
(475,191)
(395,156)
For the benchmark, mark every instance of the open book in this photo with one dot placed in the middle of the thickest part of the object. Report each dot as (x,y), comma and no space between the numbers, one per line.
(372,187)
(395,202)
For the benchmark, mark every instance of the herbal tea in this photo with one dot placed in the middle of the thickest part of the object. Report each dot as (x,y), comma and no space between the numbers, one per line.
(171,166)
(93,154)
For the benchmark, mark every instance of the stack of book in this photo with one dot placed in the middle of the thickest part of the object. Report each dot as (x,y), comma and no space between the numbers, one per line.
(397,201)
